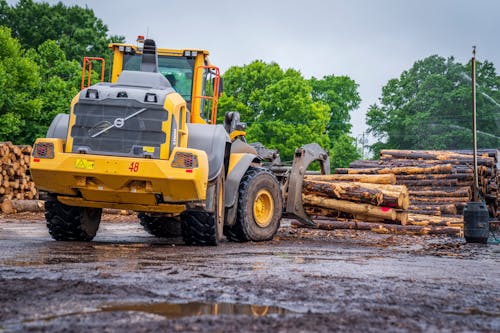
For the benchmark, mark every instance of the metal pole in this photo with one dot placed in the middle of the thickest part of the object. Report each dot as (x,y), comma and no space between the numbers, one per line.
(474,139)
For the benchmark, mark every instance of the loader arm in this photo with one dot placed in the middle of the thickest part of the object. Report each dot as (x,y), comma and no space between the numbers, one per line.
(292,188)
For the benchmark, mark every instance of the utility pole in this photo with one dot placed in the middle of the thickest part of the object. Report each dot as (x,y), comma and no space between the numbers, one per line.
(361,139)
(475,190)
(476,215)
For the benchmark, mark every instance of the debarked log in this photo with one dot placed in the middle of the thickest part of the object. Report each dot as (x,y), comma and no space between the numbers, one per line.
(385,213)
(374,194)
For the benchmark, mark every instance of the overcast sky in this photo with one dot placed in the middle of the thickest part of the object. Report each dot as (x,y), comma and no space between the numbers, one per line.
(371,41)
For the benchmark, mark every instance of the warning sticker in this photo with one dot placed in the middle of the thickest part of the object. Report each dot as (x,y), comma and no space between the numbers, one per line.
(82,163)
(148,149)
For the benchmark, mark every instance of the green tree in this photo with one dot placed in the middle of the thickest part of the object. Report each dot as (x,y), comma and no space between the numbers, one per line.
(343,151)
(75,29)
(277,105)
(429,107)
(341,95)
(19,83)
(60,83)
(285,111)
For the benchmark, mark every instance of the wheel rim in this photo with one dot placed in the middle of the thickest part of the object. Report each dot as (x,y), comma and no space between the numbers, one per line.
(263,208)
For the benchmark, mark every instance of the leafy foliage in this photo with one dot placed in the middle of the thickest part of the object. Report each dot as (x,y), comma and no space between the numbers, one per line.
(285,111)
(19,82)
(75,29)
(341,95)
(61,80)
(429,107)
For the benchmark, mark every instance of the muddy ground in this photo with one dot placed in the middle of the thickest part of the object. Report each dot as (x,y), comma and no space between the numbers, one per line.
(303,281)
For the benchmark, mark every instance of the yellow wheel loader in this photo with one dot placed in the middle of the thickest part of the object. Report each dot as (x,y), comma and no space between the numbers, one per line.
(147,141)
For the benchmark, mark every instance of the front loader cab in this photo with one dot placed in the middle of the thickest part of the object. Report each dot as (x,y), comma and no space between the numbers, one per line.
(188,71)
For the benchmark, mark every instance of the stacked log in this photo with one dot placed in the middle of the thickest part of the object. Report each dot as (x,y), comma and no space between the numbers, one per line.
(371,201)
(15,179)
(369,197)
(445,188)
(438,178)
(439,183)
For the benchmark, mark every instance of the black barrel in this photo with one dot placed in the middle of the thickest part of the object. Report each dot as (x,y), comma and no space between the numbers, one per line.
(476,222)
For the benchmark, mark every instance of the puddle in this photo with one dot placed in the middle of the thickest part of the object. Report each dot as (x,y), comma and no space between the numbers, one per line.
(178,310)
(175,310)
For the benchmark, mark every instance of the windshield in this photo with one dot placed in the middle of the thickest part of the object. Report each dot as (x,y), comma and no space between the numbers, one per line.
(178,70)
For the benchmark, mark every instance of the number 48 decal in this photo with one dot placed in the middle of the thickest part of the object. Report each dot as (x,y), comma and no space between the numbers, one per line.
(134,167)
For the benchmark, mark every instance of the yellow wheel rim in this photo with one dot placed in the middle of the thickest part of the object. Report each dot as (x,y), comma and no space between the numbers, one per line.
(263,208)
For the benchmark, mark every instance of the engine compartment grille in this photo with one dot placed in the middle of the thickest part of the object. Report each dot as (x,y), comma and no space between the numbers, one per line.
(118,127)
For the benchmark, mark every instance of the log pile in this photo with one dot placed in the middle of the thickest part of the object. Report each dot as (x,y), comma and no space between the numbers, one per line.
(439,182)
(447,187)
(439,185)
(15,178)
(370,201)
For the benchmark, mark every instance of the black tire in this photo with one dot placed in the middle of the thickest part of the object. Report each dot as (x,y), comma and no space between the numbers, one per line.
(199,228)
(68,223)
(206,228)
(160,226)
(246,228)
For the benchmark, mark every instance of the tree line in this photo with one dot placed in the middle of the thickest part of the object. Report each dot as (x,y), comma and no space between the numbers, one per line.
(430,107)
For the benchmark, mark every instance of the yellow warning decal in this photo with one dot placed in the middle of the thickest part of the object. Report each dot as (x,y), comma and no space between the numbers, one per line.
(82,163)
(148,149)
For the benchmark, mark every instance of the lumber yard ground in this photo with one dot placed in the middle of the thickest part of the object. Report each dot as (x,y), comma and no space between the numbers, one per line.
(303,281)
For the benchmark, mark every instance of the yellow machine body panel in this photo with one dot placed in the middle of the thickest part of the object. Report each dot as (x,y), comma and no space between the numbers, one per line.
(120,182)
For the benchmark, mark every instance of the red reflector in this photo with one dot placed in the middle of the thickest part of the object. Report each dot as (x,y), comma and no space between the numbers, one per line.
(189,170)
(36,160)
(385,209)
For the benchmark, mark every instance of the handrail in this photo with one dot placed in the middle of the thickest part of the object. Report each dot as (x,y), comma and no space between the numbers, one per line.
(87,62)
(215,97)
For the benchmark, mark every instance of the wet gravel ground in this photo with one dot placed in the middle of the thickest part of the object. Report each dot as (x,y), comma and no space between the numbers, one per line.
(303,281)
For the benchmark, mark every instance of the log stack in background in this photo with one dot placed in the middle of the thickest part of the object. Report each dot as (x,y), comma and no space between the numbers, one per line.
(15,178)
(441,179)
(439,185)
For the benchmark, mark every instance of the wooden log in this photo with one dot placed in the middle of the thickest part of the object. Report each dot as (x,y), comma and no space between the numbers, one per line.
(383,228)
(385,213)
(434,212)
(434,188)
(458,192)
(438,182)
(343,191)
(372,179)
(17,206)
(432,176)
(433,155)
(446,168)
(446,209)
(391,192)
(425,220)
(431,200)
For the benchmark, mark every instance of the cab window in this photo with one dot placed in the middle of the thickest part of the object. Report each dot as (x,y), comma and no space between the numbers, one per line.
(178,70)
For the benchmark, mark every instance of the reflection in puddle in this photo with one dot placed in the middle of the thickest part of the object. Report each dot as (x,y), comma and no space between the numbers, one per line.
(177,310)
